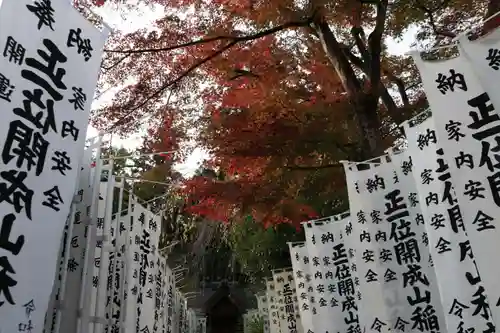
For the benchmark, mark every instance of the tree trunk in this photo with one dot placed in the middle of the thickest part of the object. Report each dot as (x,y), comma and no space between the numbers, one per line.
(364,105)
(493,8)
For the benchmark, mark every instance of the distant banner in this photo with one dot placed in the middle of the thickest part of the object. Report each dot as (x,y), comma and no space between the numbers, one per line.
(287,300)
(300,263)
(264,311)
(274,318)
(334,289)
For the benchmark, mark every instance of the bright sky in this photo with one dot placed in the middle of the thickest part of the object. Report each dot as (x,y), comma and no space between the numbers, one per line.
(135,22)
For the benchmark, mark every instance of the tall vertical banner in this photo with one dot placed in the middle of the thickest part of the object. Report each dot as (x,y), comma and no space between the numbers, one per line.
(448,242)
(397,281)
(264,311)
(159,279)
(49,65)
(170,301)
(274,318)
(132,268)
(334,284)
(68,284)
(333,256)
(469,137)
(298,251)
(100,264)
(287,301)
(147,241)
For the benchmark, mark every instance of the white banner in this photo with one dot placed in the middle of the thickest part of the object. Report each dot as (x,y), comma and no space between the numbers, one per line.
(300,263)
(446,235)
(76,251)
(170,300)
(399,288)
(147,242)
(158,292)
(468,139)
(287,300)
(49,65)
(264,311)
(274,318)
(335,290)
(483,55)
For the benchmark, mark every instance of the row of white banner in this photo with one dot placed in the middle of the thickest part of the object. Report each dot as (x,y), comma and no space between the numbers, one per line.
(416,252)
(109,276)
(139,293)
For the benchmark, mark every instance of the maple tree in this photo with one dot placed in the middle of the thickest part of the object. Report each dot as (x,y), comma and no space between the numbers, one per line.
(277,91)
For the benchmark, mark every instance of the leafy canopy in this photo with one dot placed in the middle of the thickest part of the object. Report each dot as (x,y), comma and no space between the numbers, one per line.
(277,92)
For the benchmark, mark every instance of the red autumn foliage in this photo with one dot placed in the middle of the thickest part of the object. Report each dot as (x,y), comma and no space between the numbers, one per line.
(253,84)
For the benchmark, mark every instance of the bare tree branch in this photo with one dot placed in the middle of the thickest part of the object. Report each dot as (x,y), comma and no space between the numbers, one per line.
(356,33)
(293,24)
(400,84)
(116,63)
(174,47)
(430,14)
(318,167)
(233,42)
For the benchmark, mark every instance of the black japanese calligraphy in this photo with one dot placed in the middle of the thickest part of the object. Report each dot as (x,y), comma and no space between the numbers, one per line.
(457,308)
(68,128)
(368,256)
(371,276)
(79,99)
(6,281)
(448,82)
(375,216)
(61,162)
(464,159)
(377,325)
(425,319)
(361,217)
(437,221)
(407,167)
(15,192)
(426,176)
(423,140)
(5,236)
(482,221)
(493,58)
(485,116)
(52,59)
(375,184)
(41,121)
(28,146)
(6,88)
(44,12)
(14,51)
(443,245)
(407,251)
(395,203)
(83,45)
(389,276)
(53,198)
(453,130)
